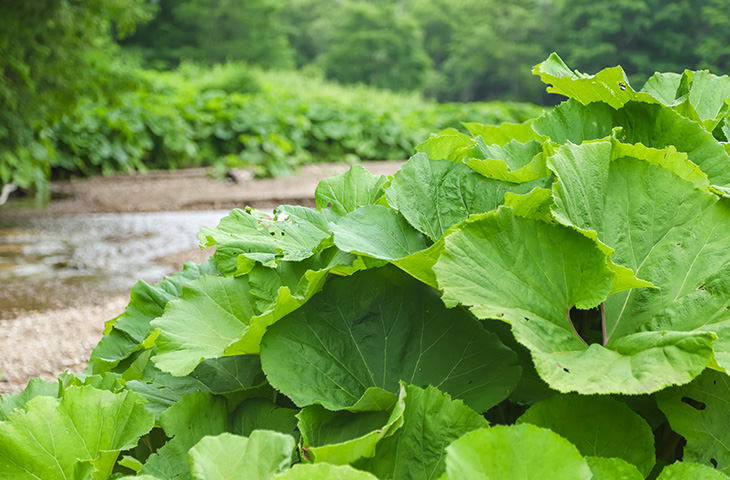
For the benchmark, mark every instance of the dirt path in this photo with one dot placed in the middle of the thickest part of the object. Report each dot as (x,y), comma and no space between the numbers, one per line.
(48,343)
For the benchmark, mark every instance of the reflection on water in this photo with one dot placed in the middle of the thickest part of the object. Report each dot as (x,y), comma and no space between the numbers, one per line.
(53,262)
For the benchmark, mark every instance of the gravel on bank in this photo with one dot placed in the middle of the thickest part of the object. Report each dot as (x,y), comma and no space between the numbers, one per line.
(46,344)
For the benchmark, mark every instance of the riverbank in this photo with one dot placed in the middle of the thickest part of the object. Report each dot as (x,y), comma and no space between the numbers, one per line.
(48,342)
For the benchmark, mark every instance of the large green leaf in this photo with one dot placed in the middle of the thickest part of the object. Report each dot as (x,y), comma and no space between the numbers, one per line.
(187,422)
(452,145)
(609,86)
(513,162)
(245,237)
(612,469)
(231,457)
(126,333)
(49,439)
(347,192)
(520,452)
(435,195)
(219,375)
(416,450)
(504,133)
(343,437)
(699,96)
(323,471)
(700,411)
(36,388)
(652,125)
(262,414)
(379,327)
(218,316)
(675,235)
(531,274)
(210,315)
(378,232)
(690,471)
(598,426)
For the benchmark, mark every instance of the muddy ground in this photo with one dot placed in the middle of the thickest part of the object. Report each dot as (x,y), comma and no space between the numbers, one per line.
(47,343)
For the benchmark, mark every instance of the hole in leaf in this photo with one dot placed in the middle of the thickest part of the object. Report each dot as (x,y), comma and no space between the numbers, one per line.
(527,319)
(272,233)
(587,324)
(566,370)
(694,403)
(622,85)
(679,244)
(713,462)
(701,287)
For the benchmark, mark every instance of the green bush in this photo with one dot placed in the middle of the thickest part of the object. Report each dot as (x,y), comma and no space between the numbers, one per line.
(242,117)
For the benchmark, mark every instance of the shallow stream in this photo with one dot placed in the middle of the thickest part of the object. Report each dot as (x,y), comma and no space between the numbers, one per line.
(56,262)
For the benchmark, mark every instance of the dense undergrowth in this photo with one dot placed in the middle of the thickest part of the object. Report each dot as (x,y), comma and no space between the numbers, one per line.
(548,299)
(236,116)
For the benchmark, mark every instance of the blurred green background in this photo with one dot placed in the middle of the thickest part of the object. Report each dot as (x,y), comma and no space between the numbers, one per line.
(92,86)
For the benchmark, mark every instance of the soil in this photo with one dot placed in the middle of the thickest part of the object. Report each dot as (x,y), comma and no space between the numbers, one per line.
(48,343)
(191,189)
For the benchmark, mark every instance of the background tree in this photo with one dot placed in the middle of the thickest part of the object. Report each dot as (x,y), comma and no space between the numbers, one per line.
(52,51)
(214,31)
(376,44)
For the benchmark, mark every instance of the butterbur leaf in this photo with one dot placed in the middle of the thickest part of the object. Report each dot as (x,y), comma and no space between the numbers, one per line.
(50,437)
(452,145)
(347,192)
(519,452)
(690,471)
(652,125)
(612,469)
(232,457)
(531,274)
(505,133)
(416,450)
(262,414)
(435,195)
(674,235)
(343,437)
(323,471)
(209,316)
(609,86)
(700,411)
(243,238)
(379,327)
(598,426)
(36,388)
(187,422)
(126,333)
(699,95)
(223,316)
(378,232)
(513,162)
(219,375)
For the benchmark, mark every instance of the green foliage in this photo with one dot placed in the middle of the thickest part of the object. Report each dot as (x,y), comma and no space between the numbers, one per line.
(377,45)
(210,31)
(242,117)
(469,317)
(53,49)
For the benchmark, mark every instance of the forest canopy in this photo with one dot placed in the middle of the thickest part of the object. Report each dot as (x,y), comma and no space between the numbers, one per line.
(463,50)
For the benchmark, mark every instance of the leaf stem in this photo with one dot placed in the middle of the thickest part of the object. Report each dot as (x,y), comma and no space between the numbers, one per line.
(603,323)
(573,327)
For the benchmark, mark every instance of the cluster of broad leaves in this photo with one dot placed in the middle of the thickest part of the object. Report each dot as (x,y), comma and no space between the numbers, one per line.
(540,300)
